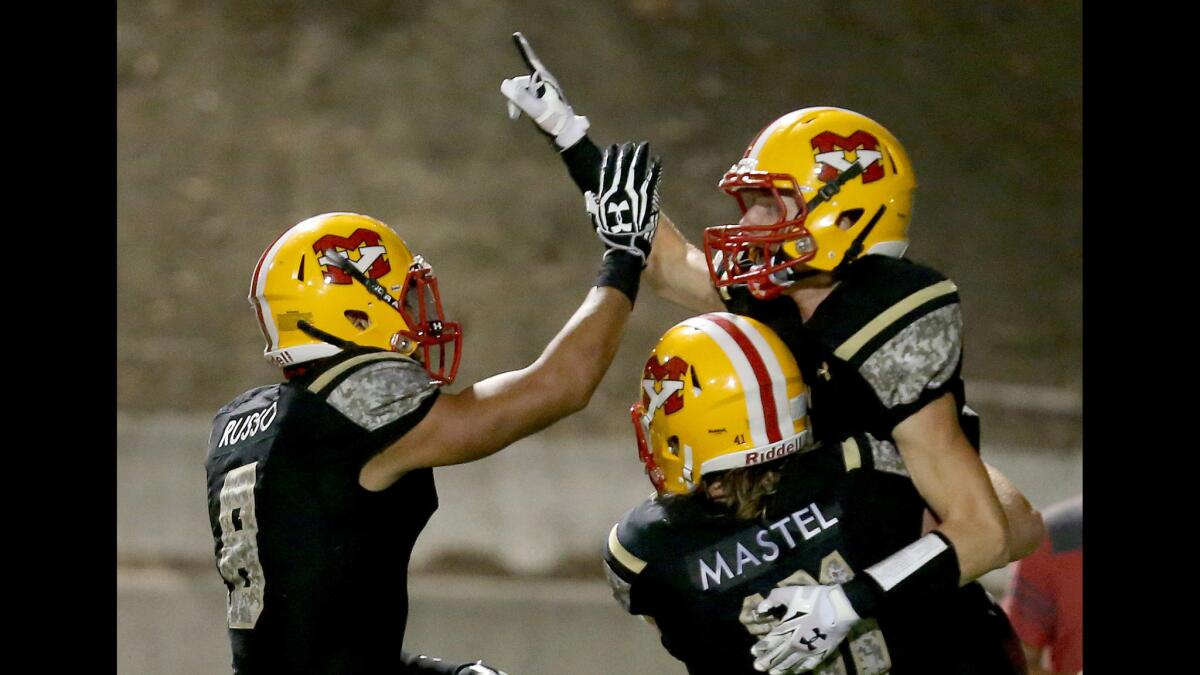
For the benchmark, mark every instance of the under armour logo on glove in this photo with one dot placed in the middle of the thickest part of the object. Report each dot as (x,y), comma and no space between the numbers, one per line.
(811,644)
(619,224)
(822,612)
(625,209)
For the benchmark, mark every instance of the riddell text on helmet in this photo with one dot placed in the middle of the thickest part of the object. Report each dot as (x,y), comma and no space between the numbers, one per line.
(785,447)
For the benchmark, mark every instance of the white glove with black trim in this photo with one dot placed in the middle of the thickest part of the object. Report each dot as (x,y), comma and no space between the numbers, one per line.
(816,620)
(539,95)
(625,208)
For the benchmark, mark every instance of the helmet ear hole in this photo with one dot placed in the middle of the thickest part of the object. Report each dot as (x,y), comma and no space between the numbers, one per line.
(358,318)
(673,446)
(848,218)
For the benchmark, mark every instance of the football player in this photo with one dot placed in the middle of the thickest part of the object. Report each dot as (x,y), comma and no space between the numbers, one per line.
(319,485)
(749,513)
(826,197)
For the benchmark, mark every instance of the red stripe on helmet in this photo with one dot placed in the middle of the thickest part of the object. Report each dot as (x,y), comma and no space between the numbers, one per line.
(770,414)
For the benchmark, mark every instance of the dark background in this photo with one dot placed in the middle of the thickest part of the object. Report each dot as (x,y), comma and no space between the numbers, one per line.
(237,119)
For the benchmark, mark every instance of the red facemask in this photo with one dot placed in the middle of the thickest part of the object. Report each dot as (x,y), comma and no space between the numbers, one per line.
(428,330)
(752,255)
(637,412)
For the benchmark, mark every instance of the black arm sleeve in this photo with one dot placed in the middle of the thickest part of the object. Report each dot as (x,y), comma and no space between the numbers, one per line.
(583,163)
(936,576)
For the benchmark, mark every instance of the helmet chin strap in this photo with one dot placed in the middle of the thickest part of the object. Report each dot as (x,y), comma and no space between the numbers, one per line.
(313,331)
(856,246)
(826,193)
(834,186)
(790,275)
(343,263)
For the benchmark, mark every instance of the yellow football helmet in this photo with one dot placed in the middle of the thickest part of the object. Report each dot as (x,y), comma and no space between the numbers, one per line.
(350,278)
(836,164)
(719,391)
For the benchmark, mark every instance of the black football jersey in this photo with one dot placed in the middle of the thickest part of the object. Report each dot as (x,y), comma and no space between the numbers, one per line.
(885,342)
(699,572)
(316,566)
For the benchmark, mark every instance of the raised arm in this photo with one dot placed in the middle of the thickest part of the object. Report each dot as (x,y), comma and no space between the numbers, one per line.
(677,270)
(502,409)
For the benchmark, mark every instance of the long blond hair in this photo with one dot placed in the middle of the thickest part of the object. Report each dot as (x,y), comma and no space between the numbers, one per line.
(745,489)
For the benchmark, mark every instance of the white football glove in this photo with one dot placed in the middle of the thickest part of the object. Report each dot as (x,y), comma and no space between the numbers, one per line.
(816,621)
(539,96)
(625,211)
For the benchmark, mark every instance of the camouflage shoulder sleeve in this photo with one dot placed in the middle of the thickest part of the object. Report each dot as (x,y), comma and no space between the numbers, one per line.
(899,326)
(377,389)
(922,356)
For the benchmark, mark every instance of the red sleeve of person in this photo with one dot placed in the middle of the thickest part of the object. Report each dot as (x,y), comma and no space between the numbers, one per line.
(1045,602)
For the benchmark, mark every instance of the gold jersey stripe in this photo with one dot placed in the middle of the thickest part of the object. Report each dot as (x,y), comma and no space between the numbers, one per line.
(850,347)
(630,561)
(852,454)
(329,375)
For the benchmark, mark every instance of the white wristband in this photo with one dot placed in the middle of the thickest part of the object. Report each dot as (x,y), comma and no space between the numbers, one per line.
(904,563)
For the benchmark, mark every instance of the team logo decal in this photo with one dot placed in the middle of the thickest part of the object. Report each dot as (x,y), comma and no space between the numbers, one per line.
(364,245)
(836,154)
(662,385)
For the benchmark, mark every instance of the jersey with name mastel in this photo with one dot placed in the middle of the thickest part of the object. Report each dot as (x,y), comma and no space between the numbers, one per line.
(698,571)
(885,342)
(315,566)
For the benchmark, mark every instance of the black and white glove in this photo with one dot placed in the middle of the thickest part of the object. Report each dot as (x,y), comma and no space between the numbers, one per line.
(539,95)
(815,621)
(624,210)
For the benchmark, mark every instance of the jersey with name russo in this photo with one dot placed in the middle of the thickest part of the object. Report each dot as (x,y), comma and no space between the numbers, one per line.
(885,342)
(315,566)
(699,572)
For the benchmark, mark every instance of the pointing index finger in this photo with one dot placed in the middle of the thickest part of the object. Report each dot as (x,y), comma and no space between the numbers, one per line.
(527,54)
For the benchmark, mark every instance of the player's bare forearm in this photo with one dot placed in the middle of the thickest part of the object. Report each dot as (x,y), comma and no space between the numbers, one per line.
(1025,526)
(504,408)
(954,482)
(677,270)
(572,365)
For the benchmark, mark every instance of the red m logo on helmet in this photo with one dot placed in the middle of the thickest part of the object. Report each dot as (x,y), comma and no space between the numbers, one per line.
(830,150)
(662,385)
(364,250)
